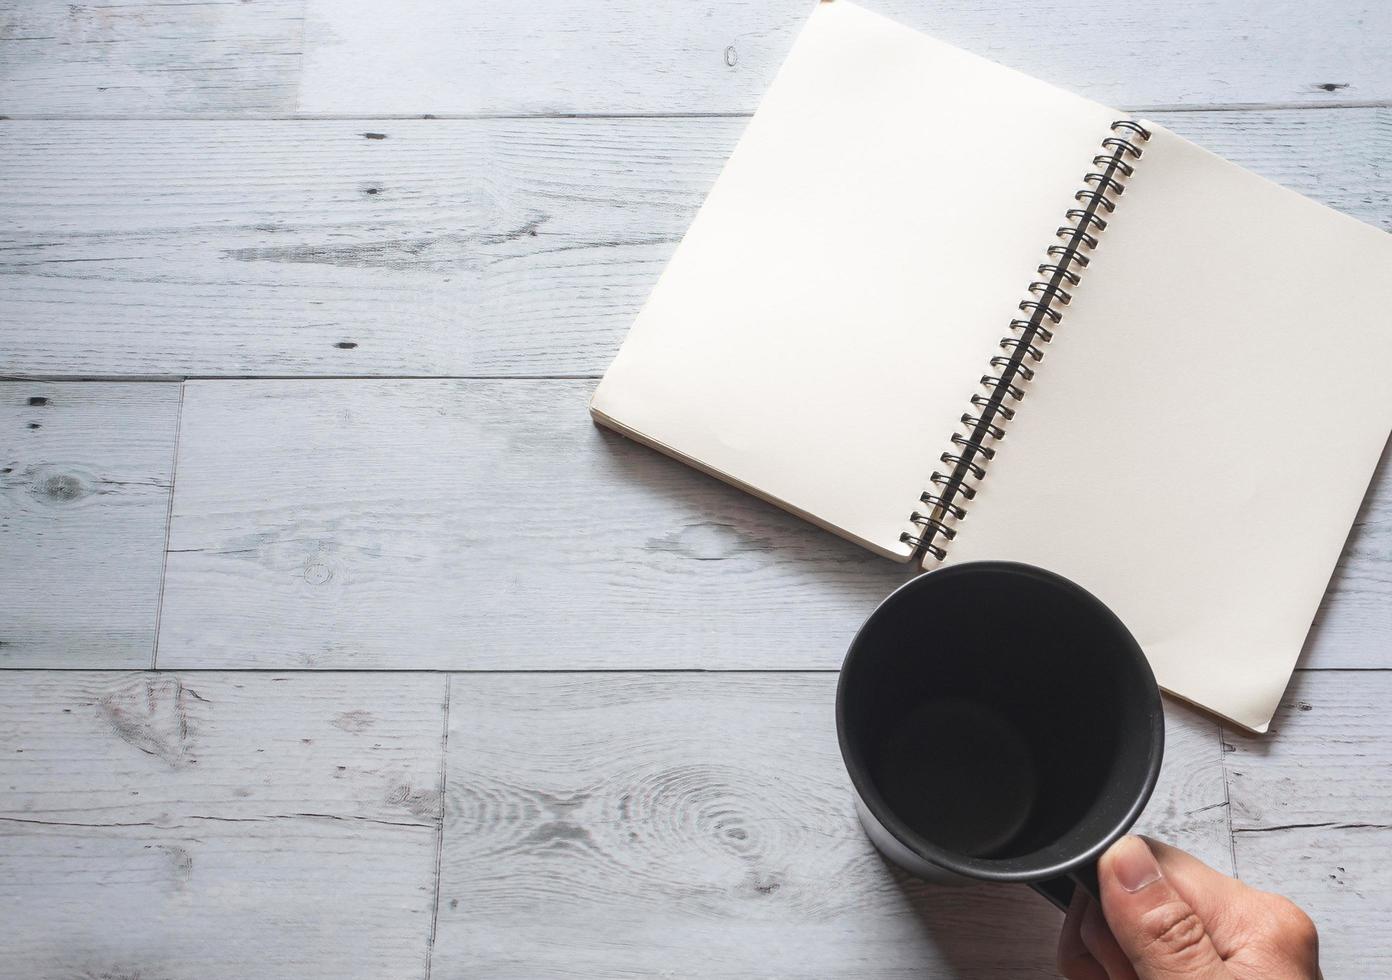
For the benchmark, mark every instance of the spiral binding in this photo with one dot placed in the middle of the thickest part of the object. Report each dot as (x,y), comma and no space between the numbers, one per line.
(971,447)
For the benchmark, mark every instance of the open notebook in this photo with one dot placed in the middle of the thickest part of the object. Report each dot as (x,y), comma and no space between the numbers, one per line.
(953,313)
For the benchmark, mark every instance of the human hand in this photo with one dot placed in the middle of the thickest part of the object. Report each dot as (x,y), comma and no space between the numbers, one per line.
(1165,915)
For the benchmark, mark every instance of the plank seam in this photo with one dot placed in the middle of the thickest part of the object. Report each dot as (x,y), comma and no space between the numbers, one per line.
(178,824)
(191,669)
(181,378)
(439,833)
(168,525)
(1227,798)
(730,114)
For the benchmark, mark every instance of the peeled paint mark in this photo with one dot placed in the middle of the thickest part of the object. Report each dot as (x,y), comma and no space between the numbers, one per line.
(374,136)
(152,713)
(1331,86)
(418,802)
(180,864)
(346,344)
(765,884)
(355,721)
(558,833)
(447,252)
(710,541)
(115,974)
(61,488)
(37,400)
(50,486)
(398,254)
(528,230)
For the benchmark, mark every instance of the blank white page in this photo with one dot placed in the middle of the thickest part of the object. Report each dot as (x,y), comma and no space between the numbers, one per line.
(822,325)
(1204,425)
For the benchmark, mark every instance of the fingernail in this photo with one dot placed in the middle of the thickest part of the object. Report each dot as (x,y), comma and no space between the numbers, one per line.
(1135,867)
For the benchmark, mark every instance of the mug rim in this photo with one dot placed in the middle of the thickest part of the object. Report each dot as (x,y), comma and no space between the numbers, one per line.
(973,867)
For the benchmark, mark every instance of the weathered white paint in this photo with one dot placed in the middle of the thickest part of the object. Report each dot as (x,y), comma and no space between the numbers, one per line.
(444,247)
(141,830)
(148,58)
(218,825)
(1312,812)
(479,525)
(634,56)
(702,825)
(490,525)
(84,492)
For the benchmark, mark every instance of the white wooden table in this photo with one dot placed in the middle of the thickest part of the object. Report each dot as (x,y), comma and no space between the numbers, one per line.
(338,643)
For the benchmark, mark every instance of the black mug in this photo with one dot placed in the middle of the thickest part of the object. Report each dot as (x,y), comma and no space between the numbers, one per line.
(1000,724)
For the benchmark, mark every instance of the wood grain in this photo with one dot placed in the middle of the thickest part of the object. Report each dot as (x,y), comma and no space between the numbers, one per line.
(1310,812)
(85,474)
(420,247)
(440,248)
(489,525)
(1353,627)
(482,525)
(144,58)
(702,825)
(218,825)
(151,59)
(205,824)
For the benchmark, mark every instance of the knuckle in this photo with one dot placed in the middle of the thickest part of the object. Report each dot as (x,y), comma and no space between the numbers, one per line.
(1173,932)
(1292,925)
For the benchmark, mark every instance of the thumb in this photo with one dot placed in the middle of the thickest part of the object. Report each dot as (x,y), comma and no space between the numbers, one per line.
(1156,928)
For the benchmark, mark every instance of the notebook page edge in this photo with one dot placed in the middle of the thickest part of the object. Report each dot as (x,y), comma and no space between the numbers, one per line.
(598,414)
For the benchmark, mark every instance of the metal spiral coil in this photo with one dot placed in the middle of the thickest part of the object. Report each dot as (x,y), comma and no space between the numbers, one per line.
(971,448)
(1005,362)
(981,401)
(994,431)
(1054,269)
(1033,352)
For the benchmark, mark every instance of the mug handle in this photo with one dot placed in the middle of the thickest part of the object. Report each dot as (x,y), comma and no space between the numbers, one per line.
(1060,890)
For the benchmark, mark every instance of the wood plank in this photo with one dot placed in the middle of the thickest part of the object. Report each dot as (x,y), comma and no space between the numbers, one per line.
(85,473)
(481,525)
(151,59)
(444,247)
(489,525)
(440,248)
(148,58)
(702,825)
(221,825)
(1353,627)
(145,58)
(1310,807)
(635,56)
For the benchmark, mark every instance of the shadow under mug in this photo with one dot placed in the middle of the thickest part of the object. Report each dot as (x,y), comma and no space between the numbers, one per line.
(999,723)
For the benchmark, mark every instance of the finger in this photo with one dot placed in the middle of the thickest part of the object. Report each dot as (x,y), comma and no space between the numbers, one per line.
(1188,873)
(1074,960)
(1097,937)
(1155,926)
(1216,897)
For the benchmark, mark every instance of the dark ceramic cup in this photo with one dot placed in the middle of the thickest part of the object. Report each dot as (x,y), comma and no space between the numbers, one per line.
(999,724)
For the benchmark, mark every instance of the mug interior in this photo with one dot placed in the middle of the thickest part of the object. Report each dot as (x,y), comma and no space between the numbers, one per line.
(1000,721)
